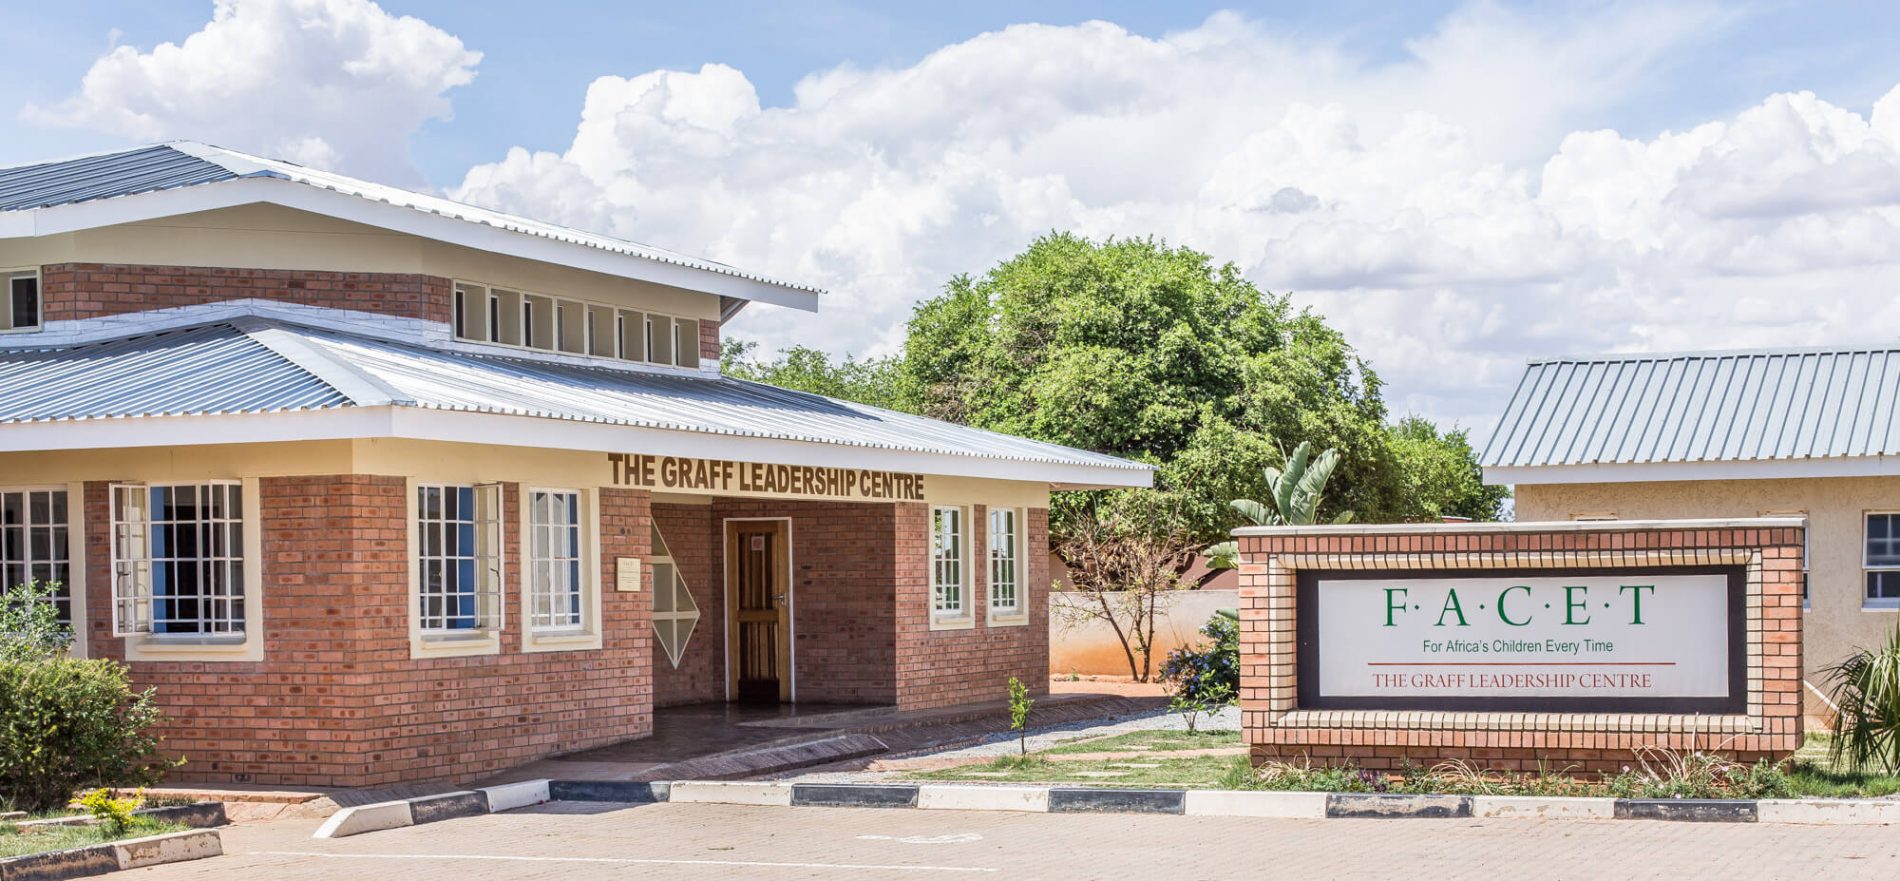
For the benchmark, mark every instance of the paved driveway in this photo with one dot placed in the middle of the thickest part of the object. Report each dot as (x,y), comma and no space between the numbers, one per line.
(577,842)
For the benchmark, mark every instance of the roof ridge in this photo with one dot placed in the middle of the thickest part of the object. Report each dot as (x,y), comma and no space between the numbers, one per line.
(1690,354)
(359,386)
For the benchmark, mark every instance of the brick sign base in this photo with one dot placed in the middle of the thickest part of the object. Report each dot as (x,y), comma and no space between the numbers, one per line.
(1278,729)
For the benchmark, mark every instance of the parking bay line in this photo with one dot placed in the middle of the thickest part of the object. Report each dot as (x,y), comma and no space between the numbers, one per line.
(621,861)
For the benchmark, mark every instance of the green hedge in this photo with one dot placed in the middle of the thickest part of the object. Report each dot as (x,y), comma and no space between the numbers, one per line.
(68,724)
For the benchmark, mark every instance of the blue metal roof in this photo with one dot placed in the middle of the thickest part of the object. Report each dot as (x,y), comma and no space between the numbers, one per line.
(1715,406)
(200,371)
(104,176)
(253,365)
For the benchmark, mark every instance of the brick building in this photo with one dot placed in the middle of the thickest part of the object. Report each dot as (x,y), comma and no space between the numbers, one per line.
(374,486)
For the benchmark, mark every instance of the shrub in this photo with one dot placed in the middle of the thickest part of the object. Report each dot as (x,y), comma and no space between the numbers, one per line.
(1666,773)
(1212,670)
(113,814)
(1867,695)
(29,623)
(1019,705)
(66,724)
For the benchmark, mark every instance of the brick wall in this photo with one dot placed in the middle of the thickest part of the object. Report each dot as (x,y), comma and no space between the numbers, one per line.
(91,290)
(708,341)
(337,701)
(938,668)
(1277,728)
(692,534)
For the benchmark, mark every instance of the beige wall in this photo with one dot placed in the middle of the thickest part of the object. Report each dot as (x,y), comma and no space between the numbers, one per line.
(275,237)
(1088,646)
(1835,623)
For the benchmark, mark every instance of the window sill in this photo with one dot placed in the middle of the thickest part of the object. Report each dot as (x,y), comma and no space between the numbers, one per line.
(964,623)
(561,641)
(183,647)
(454,645)
(1015,619)
(1879,607)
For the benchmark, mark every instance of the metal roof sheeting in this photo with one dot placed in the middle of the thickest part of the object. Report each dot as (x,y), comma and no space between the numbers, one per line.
(104,176)
(188,163)
(199,371)
(1716,406)
(256,365)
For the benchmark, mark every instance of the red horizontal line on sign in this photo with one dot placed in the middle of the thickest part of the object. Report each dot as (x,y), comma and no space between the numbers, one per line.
(1520,663)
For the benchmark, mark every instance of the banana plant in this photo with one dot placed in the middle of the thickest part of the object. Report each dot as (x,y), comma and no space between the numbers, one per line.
(1294,493)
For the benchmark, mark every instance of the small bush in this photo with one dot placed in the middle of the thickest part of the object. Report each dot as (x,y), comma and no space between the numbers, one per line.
(1205,679)
(113,814)
(30,629)
(68,724)
(1665,773)
(1867,694)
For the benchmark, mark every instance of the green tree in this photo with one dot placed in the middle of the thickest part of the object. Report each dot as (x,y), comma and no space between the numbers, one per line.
(1436,475)
(878,382)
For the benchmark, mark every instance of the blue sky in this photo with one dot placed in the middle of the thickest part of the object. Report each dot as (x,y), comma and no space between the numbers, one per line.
(1460,186)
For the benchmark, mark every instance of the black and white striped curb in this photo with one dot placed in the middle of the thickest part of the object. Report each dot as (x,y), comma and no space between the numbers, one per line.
(1059,799)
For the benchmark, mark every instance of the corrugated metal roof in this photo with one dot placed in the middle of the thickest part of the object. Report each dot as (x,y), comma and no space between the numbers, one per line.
(1714,406)
(254,365)
(188,163)
(200,371)
(104,176)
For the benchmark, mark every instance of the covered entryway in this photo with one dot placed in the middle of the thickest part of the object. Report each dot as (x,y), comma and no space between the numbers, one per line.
(758,595)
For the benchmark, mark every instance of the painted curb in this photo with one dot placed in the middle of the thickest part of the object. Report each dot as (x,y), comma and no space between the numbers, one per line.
(59,865)
(447,806)
(1827,812)
(509,796)
(1360,805)
(1686,810)
(623,791)
(774,795)
(1117,801)
(1030,799)
(366,818)
(1281,805)
(1539,807)
(854,795)
(175,847)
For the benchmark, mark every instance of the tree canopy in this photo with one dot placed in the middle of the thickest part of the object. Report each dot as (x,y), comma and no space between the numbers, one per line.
(1151,352)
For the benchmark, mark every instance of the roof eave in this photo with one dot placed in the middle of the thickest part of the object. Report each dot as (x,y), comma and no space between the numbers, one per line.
(99,213)
(1714,469)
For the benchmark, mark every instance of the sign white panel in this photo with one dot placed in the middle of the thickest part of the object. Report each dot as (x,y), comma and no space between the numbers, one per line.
(1568,636)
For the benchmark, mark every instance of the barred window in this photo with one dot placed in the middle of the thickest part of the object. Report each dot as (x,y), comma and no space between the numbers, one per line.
(458,552)
(1882,561)
(674,612)
(555,565)
(946,563)
(178,559)
(33,544)
(1005,563)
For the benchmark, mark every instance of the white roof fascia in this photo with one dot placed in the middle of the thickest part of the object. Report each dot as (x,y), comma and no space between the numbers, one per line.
(454,426)
(73,217)
(1523,526)
(1652,472)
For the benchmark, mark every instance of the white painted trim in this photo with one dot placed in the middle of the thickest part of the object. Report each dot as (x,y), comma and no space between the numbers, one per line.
(1020,617)
(589,635)
(966,618)
(459,426)
(1523,526)
(435,644)
(791,599)
(314,198)
(75,555)
(153,647)
(1645,472)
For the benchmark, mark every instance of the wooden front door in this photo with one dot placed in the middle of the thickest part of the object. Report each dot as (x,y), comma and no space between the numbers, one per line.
(758,595)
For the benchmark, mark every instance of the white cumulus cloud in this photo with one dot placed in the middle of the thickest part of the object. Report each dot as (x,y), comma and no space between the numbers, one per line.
(336,84)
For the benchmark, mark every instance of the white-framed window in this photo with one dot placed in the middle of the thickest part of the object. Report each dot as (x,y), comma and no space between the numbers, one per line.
(21,307)
(1008,605)
(557,562)
(487,314)
(458,559)
(949,583)
(675,615)
(1881,560)
(35,533)
(178,560)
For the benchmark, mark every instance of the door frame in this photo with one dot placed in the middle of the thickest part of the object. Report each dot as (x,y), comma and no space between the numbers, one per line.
(791,601)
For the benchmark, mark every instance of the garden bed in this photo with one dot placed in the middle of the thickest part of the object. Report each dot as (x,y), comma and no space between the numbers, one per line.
(1141,759)
(35,838)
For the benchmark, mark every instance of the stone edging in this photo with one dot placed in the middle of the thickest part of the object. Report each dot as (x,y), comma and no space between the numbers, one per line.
(1061,799)
(131,853)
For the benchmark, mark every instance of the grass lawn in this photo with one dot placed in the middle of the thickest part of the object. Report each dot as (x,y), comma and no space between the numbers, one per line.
(1198,772)
(17,842)
(1149,741)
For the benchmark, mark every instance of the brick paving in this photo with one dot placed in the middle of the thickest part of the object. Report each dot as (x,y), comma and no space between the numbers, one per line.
(580,842)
